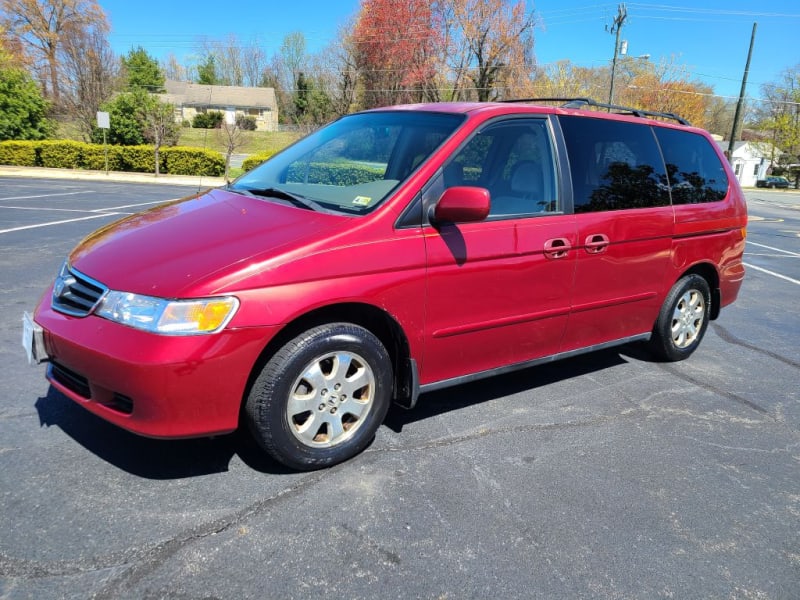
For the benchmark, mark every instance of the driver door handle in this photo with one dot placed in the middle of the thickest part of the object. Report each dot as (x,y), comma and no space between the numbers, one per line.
(596,243)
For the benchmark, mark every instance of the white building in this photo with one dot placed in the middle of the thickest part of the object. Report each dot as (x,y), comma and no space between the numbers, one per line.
(751,160)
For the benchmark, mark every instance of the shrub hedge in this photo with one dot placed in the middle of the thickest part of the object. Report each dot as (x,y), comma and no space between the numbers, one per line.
(254,160)
(323,173)
(333,174)
(21,154)
(68,154)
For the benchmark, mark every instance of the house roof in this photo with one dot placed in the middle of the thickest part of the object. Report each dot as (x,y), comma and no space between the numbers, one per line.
(185,93)
(751,150)
(725,143)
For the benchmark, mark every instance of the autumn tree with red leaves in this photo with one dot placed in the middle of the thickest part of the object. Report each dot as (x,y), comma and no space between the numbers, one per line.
(396,43)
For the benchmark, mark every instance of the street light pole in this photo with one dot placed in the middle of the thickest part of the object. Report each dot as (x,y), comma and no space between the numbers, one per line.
(616,28)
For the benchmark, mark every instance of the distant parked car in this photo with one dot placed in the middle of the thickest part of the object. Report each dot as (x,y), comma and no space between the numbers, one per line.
(773,182)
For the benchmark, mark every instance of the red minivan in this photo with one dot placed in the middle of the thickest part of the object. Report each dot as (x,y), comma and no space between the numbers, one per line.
(394,252)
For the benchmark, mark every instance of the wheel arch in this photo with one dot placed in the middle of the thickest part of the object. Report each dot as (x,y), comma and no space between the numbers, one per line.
(708,272)
(377,321)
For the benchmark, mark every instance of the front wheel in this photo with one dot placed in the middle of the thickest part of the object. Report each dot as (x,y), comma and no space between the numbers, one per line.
(320,399)
(683,319)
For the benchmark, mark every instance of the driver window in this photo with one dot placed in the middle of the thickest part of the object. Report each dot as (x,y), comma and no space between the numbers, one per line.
(514,161)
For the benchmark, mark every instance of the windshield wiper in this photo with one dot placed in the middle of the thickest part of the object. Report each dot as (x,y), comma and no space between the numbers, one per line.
(296,199)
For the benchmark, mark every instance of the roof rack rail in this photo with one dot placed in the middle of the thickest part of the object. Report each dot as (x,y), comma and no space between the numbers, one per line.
(582,102)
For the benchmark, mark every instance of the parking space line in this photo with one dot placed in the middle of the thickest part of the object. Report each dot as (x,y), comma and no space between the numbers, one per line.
(36,226)
(131,205)
(773,273)
(773,248)
(48,209)
(47,195)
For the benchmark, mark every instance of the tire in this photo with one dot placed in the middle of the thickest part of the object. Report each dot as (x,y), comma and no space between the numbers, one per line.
(320,399)
(683,319)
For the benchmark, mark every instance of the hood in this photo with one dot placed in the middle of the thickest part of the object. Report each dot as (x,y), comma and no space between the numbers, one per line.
(186,247)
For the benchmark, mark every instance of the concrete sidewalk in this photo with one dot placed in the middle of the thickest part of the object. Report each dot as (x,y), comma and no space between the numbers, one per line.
(81,174)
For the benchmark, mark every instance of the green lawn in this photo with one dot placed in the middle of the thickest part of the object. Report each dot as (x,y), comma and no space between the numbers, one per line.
(255,142)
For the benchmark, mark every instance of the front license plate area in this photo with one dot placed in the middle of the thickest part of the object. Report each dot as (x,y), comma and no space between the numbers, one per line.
(33,340)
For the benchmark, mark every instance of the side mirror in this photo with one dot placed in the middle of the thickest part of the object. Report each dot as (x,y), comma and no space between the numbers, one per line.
(461,204)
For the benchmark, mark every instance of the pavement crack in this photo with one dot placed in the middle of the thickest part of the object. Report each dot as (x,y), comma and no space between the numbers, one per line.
(517,429)
(711,388)
(727,336)
(146,561)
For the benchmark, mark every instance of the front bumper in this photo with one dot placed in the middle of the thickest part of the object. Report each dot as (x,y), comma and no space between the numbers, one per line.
(153,385)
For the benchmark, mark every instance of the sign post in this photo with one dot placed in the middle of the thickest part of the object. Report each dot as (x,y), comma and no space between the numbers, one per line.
(104,122)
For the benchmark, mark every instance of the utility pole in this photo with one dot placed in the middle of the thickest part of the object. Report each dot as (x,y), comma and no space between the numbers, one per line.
(737,116)
(616,28)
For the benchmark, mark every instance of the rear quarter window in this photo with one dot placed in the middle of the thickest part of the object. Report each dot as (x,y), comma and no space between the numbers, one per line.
(694,169)
(614,165)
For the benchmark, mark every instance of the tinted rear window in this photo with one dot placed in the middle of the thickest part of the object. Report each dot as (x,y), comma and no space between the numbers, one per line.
(695,171)
(614,165)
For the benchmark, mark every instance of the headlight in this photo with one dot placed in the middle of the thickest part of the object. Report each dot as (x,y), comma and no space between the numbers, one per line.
(171,317)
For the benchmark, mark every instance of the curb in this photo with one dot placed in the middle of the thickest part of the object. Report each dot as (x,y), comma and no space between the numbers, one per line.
(115,176)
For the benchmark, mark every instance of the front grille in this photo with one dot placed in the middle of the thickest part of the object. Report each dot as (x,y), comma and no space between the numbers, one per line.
(70,379)
(76,294)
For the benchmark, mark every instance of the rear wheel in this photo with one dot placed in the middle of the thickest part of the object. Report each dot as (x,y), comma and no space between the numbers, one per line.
(683,319)
(320,399)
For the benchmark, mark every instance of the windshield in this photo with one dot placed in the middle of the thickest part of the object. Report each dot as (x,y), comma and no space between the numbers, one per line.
(353,164)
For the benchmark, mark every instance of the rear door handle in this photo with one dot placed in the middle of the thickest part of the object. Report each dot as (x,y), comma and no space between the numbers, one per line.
(557,248)
(596,243)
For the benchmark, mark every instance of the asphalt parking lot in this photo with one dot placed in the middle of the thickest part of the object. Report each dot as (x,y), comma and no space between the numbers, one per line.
(604,476)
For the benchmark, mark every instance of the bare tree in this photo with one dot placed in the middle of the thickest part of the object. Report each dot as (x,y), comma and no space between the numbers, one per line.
(91,76)
(232,137)
(159,127)
(173,69)
(490,44)
(334,71)
(254,64)
(44,25)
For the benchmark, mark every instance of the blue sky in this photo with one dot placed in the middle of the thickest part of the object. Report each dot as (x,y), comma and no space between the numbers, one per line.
(709,37)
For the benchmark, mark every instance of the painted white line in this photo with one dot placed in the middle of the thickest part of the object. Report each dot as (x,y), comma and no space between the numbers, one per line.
(48,209)
(132,205)
(773,248)
(773,273)
(47,195)
(57,222)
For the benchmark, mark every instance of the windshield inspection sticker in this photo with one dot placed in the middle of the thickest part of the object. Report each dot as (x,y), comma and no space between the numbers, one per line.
(362,200)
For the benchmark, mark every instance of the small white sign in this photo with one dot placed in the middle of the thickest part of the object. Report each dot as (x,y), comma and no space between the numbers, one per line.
(103,120)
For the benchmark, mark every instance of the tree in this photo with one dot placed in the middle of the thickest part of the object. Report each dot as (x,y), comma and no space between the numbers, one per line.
(779,113)
(11,51)
(489,46)
(142,71)
(22,108)
(91,76)
(664,86)
(43,26)
(563,79)
(232,137)
(158,124)
(207,71)
(126,122)
(337,72)
(173,69)
(395,48)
